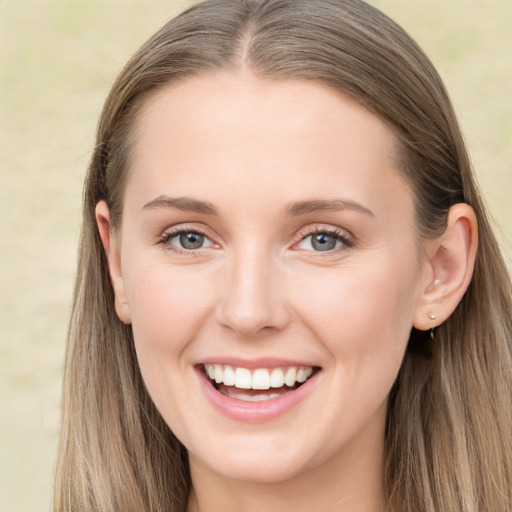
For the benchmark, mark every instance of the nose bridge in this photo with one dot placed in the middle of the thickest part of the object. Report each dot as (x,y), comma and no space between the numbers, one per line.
(252,299)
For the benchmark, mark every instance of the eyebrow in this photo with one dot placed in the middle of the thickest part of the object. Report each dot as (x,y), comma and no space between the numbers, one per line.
(291,210)
(186,204)
(321,205)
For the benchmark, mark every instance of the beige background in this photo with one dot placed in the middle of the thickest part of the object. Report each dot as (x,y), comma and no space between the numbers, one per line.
(57,60)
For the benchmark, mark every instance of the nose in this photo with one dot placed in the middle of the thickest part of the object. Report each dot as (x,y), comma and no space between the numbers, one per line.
(253,296)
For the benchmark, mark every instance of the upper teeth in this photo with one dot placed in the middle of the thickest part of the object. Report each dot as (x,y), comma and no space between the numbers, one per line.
(260,378)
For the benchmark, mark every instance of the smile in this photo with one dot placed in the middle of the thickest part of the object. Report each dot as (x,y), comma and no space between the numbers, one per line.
(250,385)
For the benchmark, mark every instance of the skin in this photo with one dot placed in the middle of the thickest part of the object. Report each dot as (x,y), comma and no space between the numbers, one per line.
(258,288)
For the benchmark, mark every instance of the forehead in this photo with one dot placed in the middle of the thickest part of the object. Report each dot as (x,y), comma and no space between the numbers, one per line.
(260,108)
(227,134)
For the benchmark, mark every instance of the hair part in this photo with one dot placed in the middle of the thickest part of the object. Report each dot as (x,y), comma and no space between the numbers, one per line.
(448,442)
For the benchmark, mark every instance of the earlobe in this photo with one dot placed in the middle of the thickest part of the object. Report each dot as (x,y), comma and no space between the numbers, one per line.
(450,265)
(114,261)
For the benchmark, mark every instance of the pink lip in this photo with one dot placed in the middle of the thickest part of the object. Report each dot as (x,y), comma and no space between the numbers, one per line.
(255,412)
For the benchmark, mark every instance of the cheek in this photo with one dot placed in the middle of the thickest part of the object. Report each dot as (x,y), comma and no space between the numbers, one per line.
(360,310)
(363,318)
(167,306)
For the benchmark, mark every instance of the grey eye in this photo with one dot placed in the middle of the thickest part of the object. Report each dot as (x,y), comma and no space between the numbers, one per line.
(323,242)
(190,240)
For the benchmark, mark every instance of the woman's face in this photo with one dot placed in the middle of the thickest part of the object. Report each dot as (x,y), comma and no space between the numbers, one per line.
(268,238)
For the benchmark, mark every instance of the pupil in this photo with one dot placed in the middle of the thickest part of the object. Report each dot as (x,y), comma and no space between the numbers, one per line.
(191,240)
(323,242)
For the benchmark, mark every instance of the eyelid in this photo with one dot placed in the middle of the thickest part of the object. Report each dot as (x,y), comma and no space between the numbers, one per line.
(344,236)
(173,231)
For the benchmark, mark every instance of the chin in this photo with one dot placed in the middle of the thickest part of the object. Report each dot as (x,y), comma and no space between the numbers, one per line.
(259,471)
(257,459)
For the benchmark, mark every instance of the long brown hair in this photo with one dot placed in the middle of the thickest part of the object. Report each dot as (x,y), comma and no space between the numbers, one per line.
(449,433)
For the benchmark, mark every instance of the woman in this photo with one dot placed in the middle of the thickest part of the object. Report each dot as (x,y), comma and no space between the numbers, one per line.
(288,295)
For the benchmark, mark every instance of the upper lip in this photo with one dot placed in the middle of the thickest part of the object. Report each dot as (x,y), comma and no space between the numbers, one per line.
(260,362)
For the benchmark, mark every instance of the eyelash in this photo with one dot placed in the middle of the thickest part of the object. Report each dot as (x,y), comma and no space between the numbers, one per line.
(341,236)
(166,237)
(346,240)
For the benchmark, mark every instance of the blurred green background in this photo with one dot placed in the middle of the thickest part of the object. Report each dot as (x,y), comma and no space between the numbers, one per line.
(57,61)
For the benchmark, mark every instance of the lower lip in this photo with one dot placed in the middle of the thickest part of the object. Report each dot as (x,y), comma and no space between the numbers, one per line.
(255,412)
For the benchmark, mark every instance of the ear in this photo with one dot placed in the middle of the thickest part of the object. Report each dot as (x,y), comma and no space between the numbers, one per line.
(451,260)
(114,261)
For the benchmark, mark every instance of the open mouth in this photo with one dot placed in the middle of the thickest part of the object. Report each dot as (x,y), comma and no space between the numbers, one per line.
(259,384)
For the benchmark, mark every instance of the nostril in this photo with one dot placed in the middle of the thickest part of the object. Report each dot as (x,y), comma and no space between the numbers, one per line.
(248,319)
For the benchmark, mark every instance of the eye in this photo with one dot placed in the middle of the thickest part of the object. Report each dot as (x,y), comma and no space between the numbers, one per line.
(324,241)
(189,240)
(183,240)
